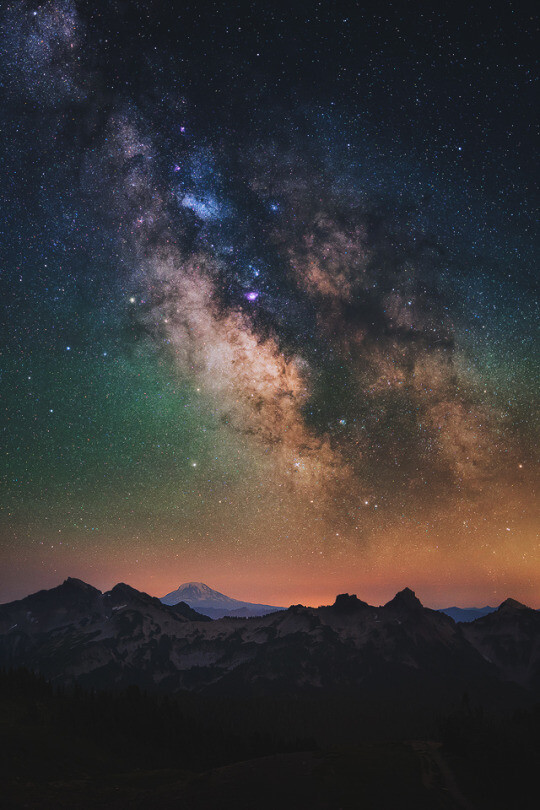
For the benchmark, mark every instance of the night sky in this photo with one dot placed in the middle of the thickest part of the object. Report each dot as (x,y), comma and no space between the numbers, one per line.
(268,299)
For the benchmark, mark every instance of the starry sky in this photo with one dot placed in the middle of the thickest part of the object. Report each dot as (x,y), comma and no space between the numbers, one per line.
(267,278)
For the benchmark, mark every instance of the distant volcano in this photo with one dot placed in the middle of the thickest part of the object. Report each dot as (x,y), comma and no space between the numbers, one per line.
(213,603)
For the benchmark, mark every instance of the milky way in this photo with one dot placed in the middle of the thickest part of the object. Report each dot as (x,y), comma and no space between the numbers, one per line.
(280,341)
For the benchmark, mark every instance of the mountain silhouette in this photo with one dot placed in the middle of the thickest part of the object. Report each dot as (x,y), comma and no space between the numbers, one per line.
(75,633)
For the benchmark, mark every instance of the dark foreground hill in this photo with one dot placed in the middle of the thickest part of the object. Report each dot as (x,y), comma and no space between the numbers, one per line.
(73,748)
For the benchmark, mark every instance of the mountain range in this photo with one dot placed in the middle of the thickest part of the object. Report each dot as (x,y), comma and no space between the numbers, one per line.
(75,633)
(212,603)
(467,614)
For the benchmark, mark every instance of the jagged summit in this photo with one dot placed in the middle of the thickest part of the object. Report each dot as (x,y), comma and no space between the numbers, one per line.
(511,605)
(71,589)
(125,593)
(71,594)
(121,588)
(348,603)
(72,584)
(78,583)
(183,609)
(405,600)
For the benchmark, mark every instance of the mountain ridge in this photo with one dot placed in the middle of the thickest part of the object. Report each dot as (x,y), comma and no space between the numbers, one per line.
(76,633)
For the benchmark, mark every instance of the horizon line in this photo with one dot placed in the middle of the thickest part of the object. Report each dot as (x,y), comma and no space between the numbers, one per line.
(281,607)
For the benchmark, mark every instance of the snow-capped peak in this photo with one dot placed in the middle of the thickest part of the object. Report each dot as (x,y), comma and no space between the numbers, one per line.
(202,598)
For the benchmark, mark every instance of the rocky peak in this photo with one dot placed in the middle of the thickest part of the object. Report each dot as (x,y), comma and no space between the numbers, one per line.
(183,610)
(348,603)
(294,610)
(74,584)
(405,600)
(511,606)
(123,592)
